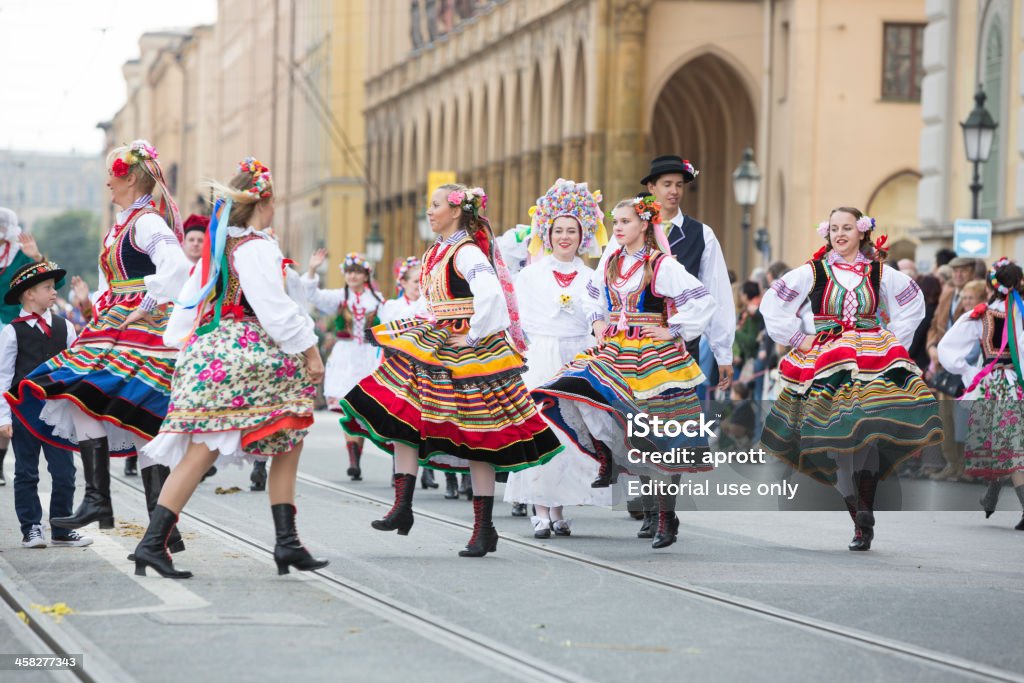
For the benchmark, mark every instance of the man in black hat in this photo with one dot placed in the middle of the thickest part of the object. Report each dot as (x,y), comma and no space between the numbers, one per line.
(34,337)
(695,246)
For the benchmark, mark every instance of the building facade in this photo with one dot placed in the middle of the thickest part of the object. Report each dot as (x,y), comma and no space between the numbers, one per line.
(280,80)
(512,94)
(968,44)
(39,185)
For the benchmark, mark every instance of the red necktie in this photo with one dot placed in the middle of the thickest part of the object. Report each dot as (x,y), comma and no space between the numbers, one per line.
(40,320)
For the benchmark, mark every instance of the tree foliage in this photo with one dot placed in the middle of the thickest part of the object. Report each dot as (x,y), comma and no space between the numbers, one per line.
(72,239)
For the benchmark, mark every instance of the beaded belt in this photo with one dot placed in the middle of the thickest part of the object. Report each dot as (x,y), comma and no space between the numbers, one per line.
(134,286)
(829,327)
(637,319)
(452,309)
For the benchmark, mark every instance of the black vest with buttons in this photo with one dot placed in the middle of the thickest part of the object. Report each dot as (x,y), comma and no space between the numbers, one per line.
(35,348)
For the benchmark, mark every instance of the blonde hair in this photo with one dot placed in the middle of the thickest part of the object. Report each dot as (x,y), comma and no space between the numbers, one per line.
(612,267)
(978,288)
(143,180)
(243,202)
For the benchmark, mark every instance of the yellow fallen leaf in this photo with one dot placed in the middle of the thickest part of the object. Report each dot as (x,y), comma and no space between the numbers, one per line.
(57,610)
(23,616)
(221,491)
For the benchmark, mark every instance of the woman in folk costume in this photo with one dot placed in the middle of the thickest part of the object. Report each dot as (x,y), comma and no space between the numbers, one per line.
(245,381)
(995,390)
(352,357)
(107,394)
(640,364)
(449,387)
(853,404)
(552,292)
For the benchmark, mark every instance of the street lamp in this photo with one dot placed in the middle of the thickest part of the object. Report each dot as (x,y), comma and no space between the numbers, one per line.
(423,227)
(746,181)
(979,129)
(374,244)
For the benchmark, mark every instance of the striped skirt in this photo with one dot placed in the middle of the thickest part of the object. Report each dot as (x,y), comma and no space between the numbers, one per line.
(595,396)
(452,404)
(120,377)
(856,392)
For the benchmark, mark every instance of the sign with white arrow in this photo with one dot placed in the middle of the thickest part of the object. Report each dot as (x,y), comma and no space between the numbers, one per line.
(972,237)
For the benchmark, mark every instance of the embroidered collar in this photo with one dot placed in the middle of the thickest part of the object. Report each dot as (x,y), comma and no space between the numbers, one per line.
(834,257)
(638,254)
(142,201)
(454,238)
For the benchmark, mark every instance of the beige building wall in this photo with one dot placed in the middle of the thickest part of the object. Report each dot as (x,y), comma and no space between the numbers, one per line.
(525,91)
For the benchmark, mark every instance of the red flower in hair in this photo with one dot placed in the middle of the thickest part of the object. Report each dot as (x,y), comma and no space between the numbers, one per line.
(120,168)
(821,252)
(979,311)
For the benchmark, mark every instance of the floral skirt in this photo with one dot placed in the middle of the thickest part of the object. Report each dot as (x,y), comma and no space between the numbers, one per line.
(119,377)
(236,379)
(995,428)
(452,403)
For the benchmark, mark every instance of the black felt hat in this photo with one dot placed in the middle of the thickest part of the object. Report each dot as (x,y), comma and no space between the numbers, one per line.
(670,164)
(31,275)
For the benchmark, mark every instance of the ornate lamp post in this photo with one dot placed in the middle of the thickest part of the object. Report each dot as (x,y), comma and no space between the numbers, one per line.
(746,182)
(978,129)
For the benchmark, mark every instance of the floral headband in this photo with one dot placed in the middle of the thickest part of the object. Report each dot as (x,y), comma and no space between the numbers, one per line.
(575,200)
(261,178)
(864,224)
(648,209)
(356,260)
(472,201)
(992,280)
(405,266)
(137,152)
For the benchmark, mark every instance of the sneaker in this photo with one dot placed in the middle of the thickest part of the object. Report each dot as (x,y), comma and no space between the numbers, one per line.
(72,539)
(34,537)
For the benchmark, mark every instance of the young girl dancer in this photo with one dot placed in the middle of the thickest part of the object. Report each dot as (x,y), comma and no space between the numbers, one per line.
(640,364)
(108,392)
(853,404)
(552,292)
(995,447)
(352,357)
(244,386)
(449,386)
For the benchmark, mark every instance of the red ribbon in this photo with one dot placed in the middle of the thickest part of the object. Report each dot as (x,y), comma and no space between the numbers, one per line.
(40,320)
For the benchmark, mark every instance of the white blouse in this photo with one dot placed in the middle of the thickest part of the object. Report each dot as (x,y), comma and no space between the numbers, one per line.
(258,263)
(158,241)
(401,308)
(329,300)
(961,340)
(695,307)
(546,308)
(781,304)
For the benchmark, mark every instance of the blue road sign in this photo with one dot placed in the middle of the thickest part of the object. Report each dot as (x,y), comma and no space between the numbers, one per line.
(972,237)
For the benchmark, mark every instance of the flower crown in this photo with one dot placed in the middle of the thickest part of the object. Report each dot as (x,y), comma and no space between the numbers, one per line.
(405,266)
(648,209)
(864,224)
(356,260)
(473,200)
(992,280)
(261,178)
(137,152)
(569,198)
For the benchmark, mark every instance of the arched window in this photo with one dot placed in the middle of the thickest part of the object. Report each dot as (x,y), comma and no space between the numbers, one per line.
(993,75)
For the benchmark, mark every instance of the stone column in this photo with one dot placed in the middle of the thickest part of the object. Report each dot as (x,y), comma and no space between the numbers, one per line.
(513,211)
(572,159)
(529,176)
(495,196)
(551,165)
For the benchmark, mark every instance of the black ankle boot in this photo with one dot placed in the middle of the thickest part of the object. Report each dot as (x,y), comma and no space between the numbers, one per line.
(152,549)
(485,537)
(289,551)
(131,466)
(427,479)
(667,529)
(649,506)
(990,499)
(867,485)
(451,486)
(258,476)
(1020,495)
(96,505)
(466,487)
(399,517)
(153,478)
(355,454)
(607,473)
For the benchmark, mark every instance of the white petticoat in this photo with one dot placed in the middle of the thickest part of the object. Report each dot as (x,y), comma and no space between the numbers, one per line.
(57,412)
(565,479)
(350,362)
(169,448)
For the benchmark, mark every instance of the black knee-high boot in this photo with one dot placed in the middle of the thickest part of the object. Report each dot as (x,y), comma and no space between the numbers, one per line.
(451,486)
(866,483)
(355,454)
(399,517)
(668,522)
(607,473)
(650,508)
(152,549)
(1020,496)
(96,505)
(485,537)
(3,454)
(289,551)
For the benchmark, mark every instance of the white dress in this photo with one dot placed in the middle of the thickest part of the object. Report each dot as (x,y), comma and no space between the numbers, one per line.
(401,308)
(557,330)
(352,357)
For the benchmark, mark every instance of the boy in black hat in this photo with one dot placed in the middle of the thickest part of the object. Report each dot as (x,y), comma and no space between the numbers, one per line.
(33,338)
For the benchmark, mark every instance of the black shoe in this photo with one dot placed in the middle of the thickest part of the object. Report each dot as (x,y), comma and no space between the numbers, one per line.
(485,537)
(289,551)
(541,527)
(153,478)
(131,466)
(399,518)
(466,488)
(427,479)
(519,509)
(3,480)
(355,454)
(209,473)
(1020,524)
(990,498)
(667,530)
(862,537)
(647,528)
(258,476)
(96,505)
(451,484)
(152,549)
(608,471)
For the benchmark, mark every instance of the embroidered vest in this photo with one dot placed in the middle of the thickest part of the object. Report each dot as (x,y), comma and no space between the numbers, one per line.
(448,294)
(642,307)
(35,348)
(125,263)
(992,324)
